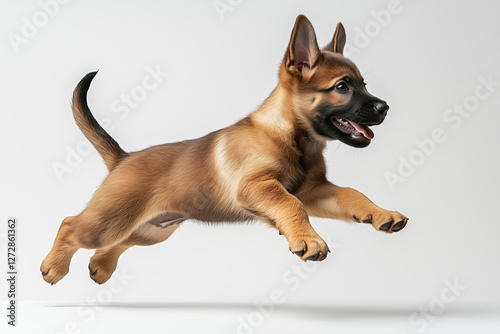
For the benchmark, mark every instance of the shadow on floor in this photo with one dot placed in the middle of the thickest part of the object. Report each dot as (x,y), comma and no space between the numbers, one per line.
(308,311)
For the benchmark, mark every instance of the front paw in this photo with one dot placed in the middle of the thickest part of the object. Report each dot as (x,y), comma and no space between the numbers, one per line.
(384,220)
(309,248)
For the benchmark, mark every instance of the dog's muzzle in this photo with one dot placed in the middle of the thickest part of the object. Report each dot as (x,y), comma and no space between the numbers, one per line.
(371,115)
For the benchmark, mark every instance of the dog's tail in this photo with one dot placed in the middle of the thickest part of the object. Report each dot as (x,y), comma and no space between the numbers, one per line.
(107,147)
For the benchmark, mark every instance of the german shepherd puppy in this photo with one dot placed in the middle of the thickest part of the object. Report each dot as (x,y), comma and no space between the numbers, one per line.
(269,166)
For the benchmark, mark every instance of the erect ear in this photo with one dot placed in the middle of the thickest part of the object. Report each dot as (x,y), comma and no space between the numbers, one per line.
(303,51)
(338,41)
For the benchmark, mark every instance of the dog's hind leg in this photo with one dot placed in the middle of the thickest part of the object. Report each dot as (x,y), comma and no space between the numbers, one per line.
(102,224)
(56,264)
(103,264)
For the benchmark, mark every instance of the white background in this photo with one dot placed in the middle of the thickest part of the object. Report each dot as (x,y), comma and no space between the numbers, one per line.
(426,58)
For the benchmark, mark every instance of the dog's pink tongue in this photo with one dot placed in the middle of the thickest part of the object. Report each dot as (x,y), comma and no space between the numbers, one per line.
(366,131)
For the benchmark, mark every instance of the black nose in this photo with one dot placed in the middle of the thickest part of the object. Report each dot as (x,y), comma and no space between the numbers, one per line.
(381,107)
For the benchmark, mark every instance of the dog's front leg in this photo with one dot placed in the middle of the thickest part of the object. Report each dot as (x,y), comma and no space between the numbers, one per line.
(327,200)
(267,199)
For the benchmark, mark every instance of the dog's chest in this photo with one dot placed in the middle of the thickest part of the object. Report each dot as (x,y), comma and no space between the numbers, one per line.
(293,180)
(302,161)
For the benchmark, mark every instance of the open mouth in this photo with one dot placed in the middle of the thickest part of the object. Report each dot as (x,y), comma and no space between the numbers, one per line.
(354,129)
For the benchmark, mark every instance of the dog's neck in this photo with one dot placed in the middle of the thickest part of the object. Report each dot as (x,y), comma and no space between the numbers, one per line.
(275,113)
(278,115)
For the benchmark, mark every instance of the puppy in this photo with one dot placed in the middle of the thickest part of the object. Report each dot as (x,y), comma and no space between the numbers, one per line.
(269,166)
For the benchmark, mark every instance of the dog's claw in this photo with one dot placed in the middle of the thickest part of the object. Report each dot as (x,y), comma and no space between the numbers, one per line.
(301,252)
(398,226)
(386,226)
(387,221)
(315,256)
(92,273)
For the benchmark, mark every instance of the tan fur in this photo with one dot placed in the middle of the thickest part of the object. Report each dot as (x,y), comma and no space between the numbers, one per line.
(269,167)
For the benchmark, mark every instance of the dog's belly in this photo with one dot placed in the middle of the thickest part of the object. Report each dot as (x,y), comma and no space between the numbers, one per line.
(157,229)
(166,220)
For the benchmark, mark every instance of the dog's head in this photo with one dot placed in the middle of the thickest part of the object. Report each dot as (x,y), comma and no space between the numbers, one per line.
(328,92)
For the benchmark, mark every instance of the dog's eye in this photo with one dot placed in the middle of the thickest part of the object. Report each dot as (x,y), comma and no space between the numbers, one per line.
(342,87)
